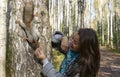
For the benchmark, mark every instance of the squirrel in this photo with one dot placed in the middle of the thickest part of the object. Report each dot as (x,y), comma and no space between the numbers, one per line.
(27,25)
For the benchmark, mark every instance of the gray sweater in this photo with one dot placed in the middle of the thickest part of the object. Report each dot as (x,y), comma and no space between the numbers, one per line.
(49,70)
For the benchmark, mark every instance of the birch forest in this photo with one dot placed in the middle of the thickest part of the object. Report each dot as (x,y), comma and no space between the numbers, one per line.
(42,18)
(101,15)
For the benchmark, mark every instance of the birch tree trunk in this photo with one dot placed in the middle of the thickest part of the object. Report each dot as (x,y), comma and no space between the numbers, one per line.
(102,26)
(108,22)
(111,23)
(64,14)
(2,38)
(89,14)
(111,30)
(20,53)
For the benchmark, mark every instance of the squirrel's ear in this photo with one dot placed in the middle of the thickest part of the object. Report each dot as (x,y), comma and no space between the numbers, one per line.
(58,32)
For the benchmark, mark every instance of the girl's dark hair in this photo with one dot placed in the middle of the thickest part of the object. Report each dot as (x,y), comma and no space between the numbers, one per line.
(87,64)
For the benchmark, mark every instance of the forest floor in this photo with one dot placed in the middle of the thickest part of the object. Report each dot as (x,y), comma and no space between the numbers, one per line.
(110,64)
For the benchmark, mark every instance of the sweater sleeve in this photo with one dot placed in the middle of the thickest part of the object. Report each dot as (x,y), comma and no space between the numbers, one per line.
(48,70)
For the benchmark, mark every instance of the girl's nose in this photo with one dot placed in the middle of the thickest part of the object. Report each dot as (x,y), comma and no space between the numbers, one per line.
(70,42)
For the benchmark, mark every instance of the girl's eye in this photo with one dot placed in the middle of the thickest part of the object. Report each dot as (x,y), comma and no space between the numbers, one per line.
(76,43)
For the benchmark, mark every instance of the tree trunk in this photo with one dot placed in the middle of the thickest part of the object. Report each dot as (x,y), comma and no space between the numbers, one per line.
(2,38)
(116,31)
(102,26)
(108,22)
(111,31)
(22,63)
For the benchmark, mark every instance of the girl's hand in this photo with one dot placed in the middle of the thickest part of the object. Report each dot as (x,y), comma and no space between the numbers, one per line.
(64,44)
(39,54)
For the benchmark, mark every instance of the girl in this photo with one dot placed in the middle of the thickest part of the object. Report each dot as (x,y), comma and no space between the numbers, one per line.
(82,58)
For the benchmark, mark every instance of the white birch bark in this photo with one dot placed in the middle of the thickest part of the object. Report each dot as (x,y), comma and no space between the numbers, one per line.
(23,63)
(76,13)
(2,38)
(111,31)
(108,22)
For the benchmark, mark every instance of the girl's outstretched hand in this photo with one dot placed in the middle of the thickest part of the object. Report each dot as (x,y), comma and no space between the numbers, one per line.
(39,54)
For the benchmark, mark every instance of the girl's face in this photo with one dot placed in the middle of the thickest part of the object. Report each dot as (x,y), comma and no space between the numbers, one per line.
(74,42)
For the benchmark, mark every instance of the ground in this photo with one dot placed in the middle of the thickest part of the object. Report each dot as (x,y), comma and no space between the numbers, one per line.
(110,64)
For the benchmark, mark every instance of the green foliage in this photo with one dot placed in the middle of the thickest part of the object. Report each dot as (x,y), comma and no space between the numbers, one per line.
(57,59)
(114,50)
(99,33)
(116,33)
